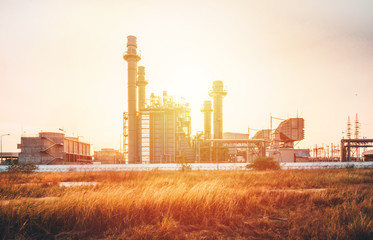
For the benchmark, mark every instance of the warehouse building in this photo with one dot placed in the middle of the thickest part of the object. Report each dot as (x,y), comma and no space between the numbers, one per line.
(54,148)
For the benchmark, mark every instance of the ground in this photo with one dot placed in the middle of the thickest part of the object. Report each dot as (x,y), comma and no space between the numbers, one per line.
(291,204)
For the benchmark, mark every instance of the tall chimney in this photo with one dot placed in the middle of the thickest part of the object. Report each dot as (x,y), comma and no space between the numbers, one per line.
(132,58)
(141,83)
(207,110)
(217,93)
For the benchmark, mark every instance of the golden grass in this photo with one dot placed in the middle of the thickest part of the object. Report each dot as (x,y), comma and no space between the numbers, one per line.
(190,205)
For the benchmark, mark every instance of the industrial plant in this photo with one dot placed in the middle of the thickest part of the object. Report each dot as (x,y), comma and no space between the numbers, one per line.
(154,131)
(157,129)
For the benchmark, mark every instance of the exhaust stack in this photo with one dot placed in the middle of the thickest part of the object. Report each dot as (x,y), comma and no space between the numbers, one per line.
(132,58)
(207,110)
(217,93)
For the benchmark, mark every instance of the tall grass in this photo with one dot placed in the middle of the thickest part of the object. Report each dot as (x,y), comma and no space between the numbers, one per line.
(191,205)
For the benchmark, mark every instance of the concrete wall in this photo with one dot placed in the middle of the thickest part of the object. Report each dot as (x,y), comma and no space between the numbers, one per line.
(194,166)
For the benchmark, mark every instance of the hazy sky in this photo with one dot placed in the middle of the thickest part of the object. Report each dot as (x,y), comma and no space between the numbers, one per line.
(61,63)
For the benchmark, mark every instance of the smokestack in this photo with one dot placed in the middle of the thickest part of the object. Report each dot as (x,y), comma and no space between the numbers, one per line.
(207,110)
(217,93)
(141,83)
(132,58)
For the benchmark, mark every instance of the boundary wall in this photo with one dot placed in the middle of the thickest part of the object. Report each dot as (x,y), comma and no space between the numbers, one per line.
(192,166)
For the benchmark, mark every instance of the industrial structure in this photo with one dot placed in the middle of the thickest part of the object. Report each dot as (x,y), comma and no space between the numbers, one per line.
(277,143)
(350,148)
(108,156)
(368,155)
(326,153)
(220,146)
(157,130)
(282,141)
(217,93)
(207,110)
(132,58)
(238,147)
(54,148)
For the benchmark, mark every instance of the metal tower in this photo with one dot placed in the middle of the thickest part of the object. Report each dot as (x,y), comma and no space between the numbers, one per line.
(357,127)
(348,133)
(357,133)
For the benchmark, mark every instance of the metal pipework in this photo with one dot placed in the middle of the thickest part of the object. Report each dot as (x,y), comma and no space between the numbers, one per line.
(217,93)
(165,98)
(141,83)
(207,110)
(132,58)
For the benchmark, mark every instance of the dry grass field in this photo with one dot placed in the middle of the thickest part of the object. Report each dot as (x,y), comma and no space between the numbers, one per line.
(292,204)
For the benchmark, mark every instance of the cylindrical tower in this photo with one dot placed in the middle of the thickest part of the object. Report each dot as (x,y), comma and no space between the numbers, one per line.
(207,110)
(132,58)
(217,93)
(141,83)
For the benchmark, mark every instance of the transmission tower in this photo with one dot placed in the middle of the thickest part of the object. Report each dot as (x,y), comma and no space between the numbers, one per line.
(357,127)
(348,133)
(357,133)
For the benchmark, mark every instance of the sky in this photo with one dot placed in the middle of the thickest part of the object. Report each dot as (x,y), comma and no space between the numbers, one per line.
(61,63)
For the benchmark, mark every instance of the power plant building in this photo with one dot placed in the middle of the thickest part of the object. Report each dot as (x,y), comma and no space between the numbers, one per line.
(156,130)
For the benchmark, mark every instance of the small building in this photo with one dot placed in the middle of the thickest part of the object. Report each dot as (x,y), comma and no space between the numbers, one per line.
(109,156)
(54,148)
(289,154)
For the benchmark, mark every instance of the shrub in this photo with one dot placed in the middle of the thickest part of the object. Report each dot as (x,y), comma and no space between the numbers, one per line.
(22,168)
(263,163)
(184,165)
(350,166)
